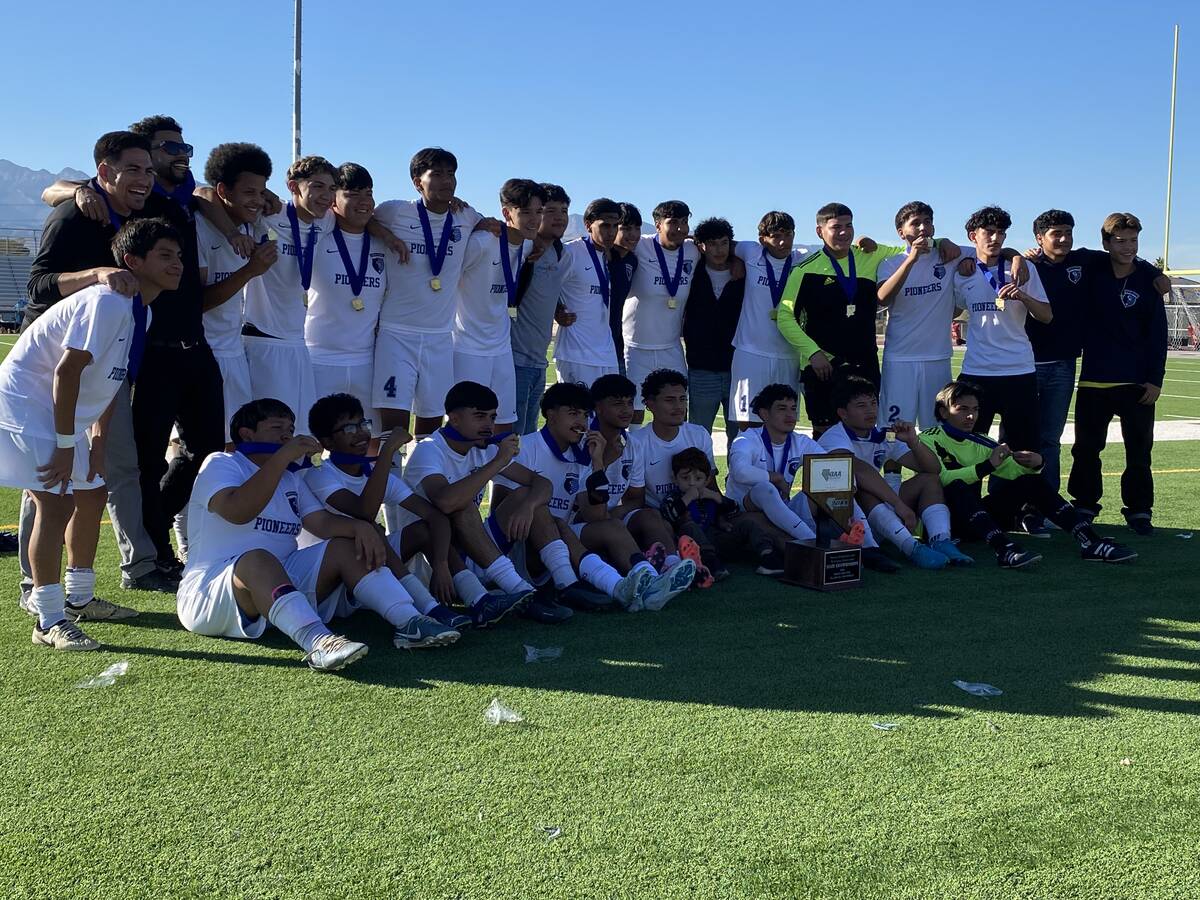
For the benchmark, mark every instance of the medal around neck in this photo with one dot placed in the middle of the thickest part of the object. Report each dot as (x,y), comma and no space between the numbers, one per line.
(435,283)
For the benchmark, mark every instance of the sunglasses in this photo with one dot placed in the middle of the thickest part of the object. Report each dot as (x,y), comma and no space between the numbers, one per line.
(355,427)
(174,148)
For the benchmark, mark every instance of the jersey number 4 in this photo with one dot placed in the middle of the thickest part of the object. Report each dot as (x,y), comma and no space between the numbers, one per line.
(389,388)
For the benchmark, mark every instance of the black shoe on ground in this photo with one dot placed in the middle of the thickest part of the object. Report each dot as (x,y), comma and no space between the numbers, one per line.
(1139,524)
(172,567)
(770,563)
(1033,524)
(1015,558)
(8,542)
(584,598)
(1107,550)
(154,580)
(877,561)
(544,610)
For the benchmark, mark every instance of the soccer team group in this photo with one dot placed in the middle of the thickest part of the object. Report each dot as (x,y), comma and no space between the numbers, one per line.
(244,370)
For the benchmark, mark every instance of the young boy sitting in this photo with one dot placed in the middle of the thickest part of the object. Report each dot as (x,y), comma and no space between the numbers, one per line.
(967,458)
(890,512)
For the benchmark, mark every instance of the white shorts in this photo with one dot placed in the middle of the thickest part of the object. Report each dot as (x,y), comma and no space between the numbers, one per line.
(639,363)
(908,390)
(282,370)
(206,604)
(235,385)
(572,372)
(750,373)
(496,372)
(414,370)
(356,381)
(21,454)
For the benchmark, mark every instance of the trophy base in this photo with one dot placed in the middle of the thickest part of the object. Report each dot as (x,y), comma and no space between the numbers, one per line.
(837,567)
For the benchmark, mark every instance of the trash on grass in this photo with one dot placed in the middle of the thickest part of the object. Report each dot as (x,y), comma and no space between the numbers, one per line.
(552,831)
(1186,535)
(885,726)
(992,726)
(1127,761)
(497,713)
(978,689)
(108,677)
(537,654)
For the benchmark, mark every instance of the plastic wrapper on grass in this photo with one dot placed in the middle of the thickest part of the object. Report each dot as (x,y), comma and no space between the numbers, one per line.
(108,677)
(540,654)
(499,714)
(978,688)
(886,726)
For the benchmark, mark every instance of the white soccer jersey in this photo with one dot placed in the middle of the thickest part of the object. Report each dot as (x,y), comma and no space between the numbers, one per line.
(649,321)
(918,318)
(433,456)
(875,449)
(588,340)
(756,331)
(336,331)
(481,320)
(327,479)
(996,340)
(275,300)
(223,324)
(626,471)
(97,320)
(213,540)
(412,304)
(752,459)
(565,474)
(656,457)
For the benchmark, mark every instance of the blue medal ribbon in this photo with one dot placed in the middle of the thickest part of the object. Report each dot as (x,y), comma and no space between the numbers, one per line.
(877,435)
(594,425)
(578,451)
(356,278)
(349,459)
(781,467)
(959,435)
(114,220)
(994,277)
(848,282)
(436,255)
(304,258)
(182,194)
(510,280)
(137,343)
(450,433)
(672,283)
(601,268)
(249,448)
(776,286)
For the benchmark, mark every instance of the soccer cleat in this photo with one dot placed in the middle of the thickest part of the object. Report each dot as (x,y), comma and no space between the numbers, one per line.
(423,631)
(770,563)
(585,598)
(689,549)
(444,615)
(878,561)
(927,558)
(950,550)
(1107,550)
(64,635)
(170,566)
(543,609)
(26,601)
(98,610)
(856,535)
(1013,557)
(491,608)
(632,588)
(332,652)
(1033,524)
(154,580)
(670,583)
(656,555)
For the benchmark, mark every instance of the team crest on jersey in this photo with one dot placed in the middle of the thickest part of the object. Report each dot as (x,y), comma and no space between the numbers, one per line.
(939,271)
(571,483)
(456,233)
(687,266)
(377,263)
(294,503)
(1128,298)
(793,468)
(625,467)
(1074,274)
(878,457)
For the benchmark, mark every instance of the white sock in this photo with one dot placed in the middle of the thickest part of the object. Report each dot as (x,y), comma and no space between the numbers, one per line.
(767,498)
(672,559)
(468,587)
(294,616)
(884,521)
(597,572)
(48,600)
(504,576)
(937,522)
(80,585)
(644,566)
(379,590)
(557,559)
(421,598)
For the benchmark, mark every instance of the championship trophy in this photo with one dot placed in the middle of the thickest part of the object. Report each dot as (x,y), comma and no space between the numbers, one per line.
(826,564)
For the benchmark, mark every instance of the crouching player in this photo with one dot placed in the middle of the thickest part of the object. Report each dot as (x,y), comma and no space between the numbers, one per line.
(967,458)
(350,483)
(890,509)
(244,569)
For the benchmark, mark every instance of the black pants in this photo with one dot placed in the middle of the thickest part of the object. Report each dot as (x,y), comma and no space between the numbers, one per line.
(818,394)
(1003,504)
(745,539)
(1015,399)
(1094,410)
(180,387)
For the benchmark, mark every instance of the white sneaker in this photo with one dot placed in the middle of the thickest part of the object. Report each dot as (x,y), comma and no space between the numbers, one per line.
(97,610)
(64,635)
(631,588)
(333,652)
(670,583)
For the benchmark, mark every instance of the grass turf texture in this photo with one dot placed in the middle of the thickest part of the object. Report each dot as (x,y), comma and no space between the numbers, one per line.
(722,747)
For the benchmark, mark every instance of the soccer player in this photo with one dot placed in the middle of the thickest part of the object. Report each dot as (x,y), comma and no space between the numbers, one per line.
(665,394)
(584,350)
(58,389)
(892,509)
(653,316)
(714,309)
(487,296)
(537,302)
(968,456)
(1124,363)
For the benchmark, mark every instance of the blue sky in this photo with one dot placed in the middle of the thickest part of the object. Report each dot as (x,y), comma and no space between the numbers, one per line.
(736,109)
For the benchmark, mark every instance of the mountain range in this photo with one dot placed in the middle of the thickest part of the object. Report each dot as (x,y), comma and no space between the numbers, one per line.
(21,193)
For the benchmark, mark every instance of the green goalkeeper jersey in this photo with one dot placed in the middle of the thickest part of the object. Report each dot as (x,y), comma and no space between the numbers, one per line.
(965,456)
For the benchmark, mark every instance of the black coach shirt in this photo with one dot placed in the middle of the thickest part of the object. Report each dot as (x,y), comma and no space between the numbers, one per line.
(709,321)
(1124,326)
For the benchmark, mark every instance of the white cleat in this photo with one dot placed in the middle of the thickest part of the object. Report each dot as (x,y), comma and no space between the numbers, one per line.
(64,635)
(632,588)
(670,583)
(98,610)
(333,652)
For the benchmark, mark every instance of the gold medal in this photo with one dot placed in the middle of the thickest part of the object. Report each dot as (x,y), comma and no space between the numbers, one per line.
(272,234)
(774,315)
(512,312)
(358,305)
(672,303)
(317,459)
(1000,303)
(850,308)
(435,283)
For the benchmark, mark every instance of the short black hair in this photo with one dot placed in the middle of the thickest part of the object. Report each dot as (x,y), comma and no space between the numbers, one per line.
(325,412)
(1052,218)
(573,394)
(431,158)
(471,395)
(600,208)
(555,193)
(631,216)
(711,230)
(308,166)
(910,209)
(517,193)
(989,217)
(776,221)
(691,458)
(833,211)
(612,386)
(251,414)
(846,390)
(353,177)
(137,237)
(954,392)
(653,384)
(112,144)
(228,161)
(772,394)
(671,209)
(148,126)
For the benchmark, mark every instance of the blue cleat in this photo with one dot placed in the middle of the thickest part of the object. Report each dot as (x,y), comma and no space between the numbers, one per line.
(927,558)
(444,615)
(491,608)
(950,550)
